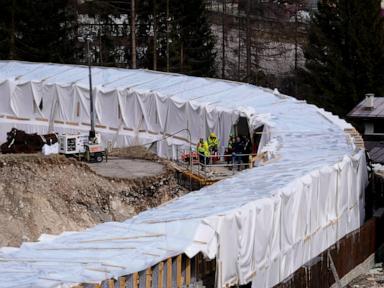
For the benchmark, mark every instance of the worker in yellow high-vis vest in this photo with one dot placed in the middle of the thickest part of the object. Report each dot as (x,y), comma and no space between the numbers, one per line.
(203,150)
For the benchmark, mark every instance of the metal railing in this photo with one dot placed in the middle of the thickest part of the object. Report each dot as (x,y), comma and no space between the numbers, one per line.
(213,165)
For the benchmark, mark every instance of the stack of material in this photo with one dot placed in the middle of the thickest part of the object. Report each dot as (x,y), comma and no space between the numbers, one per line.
(20,142)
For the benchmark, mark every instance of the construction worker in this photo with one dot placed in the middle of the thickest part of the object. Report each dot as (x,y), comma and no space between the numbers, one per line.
(238,150)
(213,143)
(203,150)
(229,149)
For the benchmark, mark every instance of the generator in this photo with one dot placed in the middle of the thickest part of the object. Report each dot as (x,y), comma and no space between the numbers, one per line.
(79,146)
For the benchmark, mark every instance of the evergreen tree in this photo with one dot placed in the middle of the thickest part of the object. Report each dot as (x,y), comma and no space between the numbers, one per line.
(104,31)
(194,38)
(345,53)
(191,41)
(37,30)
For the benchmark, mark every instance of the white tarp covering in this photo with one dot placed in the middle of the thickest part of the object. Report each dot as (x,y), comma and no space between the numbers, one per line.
(260,225)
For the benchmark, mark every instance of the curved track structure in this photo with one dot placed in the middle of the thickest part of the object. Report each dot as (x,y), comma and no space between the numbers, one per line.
(260,225)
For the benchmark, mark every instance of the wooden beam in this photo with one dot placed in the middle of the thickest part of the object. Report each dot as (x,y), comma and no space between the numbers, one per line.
(122,282)
(39,119)
(206,267)
(179,276)
(188,272)
(197,267)
(58,122)
(160,275)
(135,280)
(169,273)
(148,278)
(18,118)
(72,123)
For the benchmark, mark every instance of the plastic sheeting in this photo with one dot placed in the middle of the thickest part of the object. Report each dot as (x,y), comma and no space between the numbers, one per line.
(260,225)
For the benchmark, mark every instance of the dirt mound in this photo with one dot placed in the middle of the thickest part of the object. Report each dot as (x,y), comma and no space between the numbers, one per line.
(54,194)
(134,152)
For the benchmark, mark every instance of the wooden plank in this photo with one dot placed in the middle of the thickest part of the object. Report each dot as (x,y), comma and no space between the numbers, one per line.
(206,267)
(72,123)
(40,119)
(148,278)
(17,118)
(197,267)
(188,272)
(179,276)
(135,280)
(122,282)
(58,122)
(169,273)
(78,109)
(160,275)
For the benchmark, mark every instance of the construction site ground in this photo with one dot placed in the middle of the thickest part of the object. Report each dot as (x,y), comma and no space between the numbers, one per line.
(127,168)
(217,171)
(52,194)
(374,278)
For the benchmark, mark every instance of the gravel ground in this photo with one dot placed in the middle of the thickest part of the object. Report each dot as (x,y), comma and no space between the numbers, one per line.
(374,278)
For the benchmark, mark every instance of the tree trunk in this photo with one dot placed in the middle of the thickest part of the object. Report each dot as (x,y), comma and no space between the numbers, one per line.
(167,15)
(12,50)
(223,39)
(181,57)
(154,35)
(133,34)
(248,40)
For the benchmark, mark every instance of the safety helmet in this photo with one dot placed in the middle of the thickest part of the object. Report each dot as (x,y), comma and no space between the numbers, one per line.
(212,135)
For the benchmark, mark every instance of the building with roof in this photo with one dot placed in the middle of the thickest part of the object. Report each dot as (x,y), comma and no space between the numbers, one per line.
(369,118)
(260,225)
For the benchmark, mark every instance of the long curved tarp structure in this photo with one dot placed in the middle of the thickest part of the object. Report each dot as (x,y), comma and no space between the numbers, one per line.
(260,225)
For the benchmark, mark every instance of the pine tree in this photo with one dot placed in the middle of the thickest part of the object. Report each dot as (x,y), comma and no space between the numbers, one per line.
(191,47)
(195,39)
(37,30)
(345,53)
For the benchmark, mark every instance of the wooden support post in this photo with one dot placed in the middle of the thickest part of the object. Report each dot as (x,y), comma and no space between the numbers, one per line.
(197,267)
(122,282)
(169,273)
(334,271)
(148,278)
(179,277)
(188,272)
(206,267)
(135,280)
(160,275)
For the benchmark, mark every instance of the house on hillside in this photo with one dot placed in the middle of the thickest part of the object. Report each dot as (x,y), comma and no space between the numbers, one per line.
(368,116)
